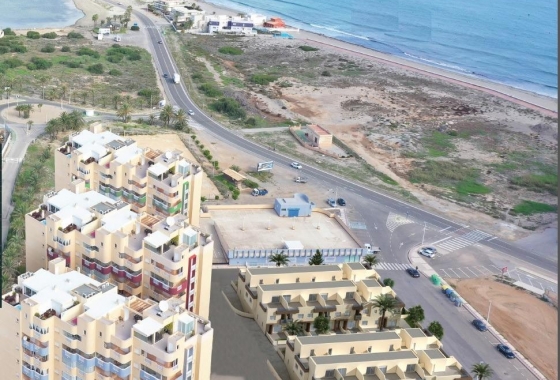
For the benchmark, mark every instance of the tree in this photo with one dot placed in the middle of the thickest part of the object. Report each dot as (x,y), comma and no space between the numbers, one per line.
(385,303)
(317,258)
(19,108)
(95,17)
(415,315)
(482,371)
(294,328)
(389,282)
(29,125)
(40,105)
(52,128)
(43,80)
(322,324)
(125,112)
(180,119)
(166,115)
(76,120)
(116,100)
(279,259)
(370,260)
(27,109)
(436,329)
(152,119)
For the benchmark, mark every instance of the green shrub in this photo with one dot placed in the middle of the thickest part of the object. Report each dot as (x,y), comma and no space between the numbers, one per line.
(50,35)
(13,62)
(18,49)
(115,72)
(285,84)
(530,207)
(216,197)
(135,27)
(65,49)
(115,58)
(229,107)
(48,49)
(33,35)
(251,121)
(231,50)
(308,48)
(134,56)
(8,32)
(4,49)
(538,182)
(73,65)
(209,90)
(468,186)
(250,184)
(96,69)
(88,51)
(263,79)
(326,73)
(197,77)
(39,64)
(75,35)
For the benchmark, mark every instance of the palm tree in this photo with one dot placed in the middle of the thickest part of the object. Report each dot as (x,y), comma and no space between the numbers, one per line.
(27,109)
(166,115)
(482,371)
(76,120)
(370,260)
(116,100)
(95,17)
(294,328)
(384,302)
(44,79)
(279,259)
(40,105)
(19,210)
(52,128)
(124,112)
(180,119)
(29,125)
(152,119)
(19,108)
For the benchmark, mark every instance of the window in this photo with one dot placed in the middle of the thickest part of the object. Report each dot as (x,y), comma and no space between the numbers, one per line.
(325,296)
(349,295)
(352,350)
(300,316)
(329,373)
(261,282)
(411,368)
(330,351)
(310,315)
(297,279)
(313,279)
(364,323)
(334,278)
(277,280)
(287,298)
(275,299)
(313,297)
(370,371)
(100,334)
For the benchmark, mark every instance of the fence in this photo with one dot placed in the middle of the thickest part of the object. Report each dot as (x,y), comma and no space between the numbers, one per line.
(258,257)
(7,141)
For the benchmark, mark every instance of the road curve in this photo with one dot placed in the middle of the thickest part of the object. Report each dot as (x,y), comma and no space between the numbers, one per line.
(179,96)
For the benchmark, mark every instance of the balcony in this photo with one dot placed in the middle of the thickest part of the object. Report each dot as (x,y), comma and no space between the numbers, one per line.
(69,228)
(168,290)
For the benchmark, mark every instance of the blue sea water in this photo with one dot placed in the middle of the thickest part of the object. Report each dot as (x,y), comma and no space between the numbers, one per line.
(510,42)
(29,14)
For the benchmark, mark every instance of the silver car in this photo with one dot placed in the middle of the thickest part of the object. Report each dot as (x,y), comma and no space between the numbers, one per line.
(426,252)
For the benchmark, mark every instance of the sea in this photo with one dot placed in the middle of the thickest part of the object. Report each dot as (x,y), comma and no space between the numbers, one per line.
(37,14)
(509,42)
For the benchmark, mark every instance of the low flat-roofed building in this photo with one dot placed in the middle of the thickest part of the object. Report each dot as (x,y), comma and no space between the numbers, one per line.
(64,324)
(404,353)
(319,136)
(277,296)
(298,205)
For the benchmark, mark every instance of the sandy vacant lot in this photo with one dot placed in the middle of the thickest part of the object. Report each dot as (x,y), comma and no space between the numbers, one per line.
(530,324)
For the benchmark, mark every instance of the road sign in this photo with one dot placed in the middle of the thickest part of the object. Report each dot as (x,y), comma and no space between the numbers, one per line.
(262,166)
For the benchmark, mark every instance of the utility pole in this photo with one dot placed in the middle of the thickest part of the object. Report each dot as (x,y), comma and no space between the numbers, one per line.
(424,233)
(488,316)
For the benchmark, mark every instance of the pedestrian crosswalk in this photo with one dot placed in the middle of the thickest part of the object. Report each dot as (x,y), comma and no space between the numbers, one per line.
(396,220)
(469,238)
(391,266)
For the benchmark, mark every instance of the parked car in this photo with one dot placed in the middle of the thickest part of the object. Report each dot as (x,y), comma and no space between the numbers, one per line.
(257,192)
(431,249)
(165,75)
(480,325)
(263,191)
(296,165)
(426,252)
(160,42)
(190,112)
(413,272)
(300,179)
(341,202)
(506,351)
(331,202)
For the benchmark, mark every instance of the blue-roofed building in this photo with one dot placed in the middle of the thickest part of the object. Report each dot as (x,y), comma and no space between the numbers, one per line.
(299,205)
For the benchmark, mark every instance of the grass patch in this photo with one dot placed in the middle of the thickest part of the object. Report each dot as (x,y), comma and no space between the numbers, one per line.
(308,48)
(469,186)
(264,176)
(231,50)
(530,208)
(538,182)
(438,144)
(263,79)
(232,81)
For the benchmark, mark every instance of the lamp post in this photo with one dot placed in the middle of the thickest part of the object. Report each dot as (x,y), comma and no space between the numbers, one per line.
(488,316)
(424,233)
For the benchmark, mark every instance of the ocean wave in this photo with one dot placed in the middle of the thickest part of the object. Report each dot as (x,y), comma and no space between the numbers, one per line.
(339,31)
(437,63)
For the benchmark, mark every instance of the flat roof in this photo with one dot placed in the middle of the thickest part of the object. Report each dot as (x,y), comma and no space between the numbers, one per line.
(86,137)
(318,130)
(370,283)
(288,270)
(346,338)
(124,155)
(415,333)
(65,198)
(157,239)
(317,231)
(308,285)
(116,220)
(103,304)
(234,175)
(356,266)
(369,357)
(434,354)
(157,169)
(148,327)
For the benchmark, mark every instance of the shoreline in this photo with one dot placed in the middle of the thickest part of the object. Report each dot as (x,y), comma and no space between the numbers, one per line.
(538,102)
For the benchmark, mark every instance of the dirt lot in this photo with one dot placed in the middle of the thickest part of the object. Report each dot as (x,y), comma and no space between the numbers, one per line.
(448,147)
(531,325)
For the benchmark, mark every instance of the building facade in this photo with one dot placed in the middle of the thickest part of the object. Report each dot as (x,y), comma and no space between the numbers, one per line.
(298,205)
(65,325)
(159,183)
(405,353)
(142,255)
(166,5)
(319,136)
(278,295)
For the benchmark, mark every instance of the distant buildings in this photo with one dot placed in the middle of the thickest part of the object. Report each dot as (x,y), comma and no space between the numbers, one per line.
(167,5)
(62,324)
(274,22)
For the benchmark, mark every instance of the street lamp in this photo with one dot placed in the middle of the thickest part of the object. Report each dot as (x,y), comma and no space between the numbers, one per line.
(424,233)
(488,316)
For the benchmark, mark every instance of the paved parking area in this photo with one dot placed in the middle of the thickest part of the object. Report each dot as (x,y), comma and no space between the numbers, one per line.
(240,349)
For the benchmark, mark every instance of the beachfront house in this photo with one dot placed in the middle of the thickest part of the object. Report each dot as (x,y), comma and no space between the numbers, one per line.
(228,24)
(275,22)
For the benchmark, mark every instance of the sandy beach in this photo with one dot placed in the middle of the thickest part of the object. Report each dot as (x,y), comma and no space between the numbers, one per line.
(548,106)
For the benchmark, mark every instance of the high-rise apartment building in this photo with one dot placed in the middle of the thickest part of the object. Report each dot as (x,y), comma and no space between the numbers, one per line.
(149,256)
(159,183)
(62,324)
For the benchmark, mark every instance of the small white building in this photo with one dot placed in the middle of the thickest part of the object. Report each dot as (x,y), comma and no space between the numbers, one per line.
(104,31)
(182,14)
(256,19)
(167,5)
(228,24)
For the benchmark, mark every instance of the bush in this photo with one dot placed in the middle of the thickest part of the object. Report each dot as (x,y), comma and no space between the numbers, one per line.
(135,27)
(4,49)
(263,79)
(73,65)
(96,69)
(115,58)
(326,73)
(65,49)
(9,32)
(134,56)
(48,49)
(33,35)
(197,77)
(231,50)
(229,107)
(50,35)
(308,48)
(530,207)
(18,49)
(209,90)
(115,72)
(216,197)
(75,35)
(251,121)
(13,62)
(39,64)
(250,184)
(88,51)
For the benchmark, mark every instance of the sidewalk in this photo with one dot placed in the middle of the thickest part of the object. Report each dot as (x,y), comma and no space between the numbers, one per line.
(425,269)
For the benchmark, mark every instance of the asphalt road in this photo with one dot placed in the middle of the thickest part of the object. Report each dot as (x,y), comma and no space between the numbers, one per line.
(179,96)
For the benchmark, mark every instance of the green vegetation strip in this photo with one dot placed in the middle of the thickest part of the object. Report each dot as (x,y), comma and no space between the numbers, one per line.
(530,208)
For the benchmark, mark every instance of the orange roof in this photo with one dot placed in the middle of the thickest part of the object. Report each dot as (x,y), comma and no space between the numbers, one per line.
(318,130)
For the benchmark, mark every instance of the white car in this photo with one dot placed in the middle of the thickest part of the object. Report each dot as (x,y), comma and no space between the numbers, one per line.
(190,112)
(428,252)
(296,165)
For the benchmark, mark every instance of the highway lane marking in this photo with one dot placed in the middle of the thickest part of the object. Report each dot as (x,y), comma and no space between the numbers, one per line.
(445,229)
(456,275)
(439,241)
(446,274)
(464,272)
(495,237)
